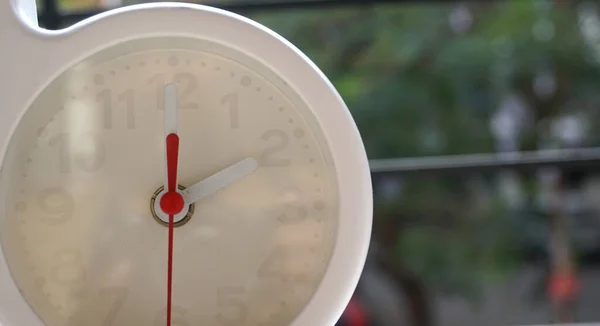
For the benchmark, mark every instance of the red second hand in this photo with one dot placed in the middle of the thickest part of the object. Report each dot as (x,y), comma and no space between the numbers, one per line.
(172,203)
(170,271)
(172,158)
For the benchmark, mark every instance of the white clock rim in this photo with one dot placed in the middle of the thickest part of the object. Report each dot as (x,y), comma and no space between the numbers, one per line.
(63,49)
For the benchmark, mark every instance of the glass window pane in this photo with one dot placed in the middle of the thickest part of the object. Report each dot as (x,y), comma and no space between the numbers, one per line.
(460,78)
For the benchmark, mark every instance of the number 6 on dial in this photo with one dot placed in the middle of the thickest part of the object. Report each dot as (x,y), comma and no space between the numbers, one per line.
(179,317)
(233,310)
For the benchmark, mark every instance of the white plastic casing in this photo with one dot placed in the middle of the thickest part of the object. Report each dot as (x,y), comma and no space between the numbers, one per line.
(31,57)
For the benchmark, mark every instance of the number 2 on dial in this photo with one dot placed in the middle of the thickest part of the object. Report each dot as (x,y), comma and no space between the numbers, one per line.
(279,141)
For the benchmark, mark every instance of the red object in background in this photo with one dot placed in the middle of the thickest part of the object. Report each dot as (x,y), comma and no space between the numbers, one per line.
(356,314)
(563,287)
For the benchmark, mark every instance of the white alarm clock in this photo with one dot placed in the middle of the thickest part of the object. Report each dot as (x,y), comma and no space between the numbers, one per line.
(173,164)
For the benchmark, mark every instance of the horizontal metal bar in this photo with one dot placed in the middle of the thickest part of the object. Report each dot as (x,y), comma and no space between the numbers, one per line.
(581,159)
(575,324)
(264,6)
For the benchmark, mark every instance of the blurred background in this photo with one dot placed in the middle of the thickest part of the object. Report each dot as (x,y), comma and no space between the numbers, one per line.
(478,118)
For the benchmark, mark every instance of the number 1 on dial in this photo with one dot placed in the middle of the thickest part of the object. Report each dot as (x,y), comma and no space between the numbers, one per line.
(234,109)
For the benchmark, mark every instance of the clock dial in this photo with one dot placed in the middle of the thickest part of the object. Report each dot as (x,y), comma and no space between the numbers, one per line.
(84,237)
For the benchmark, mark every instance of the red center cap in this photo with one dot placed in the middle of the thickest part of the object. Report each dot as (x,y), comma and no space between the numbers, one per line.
(172,203)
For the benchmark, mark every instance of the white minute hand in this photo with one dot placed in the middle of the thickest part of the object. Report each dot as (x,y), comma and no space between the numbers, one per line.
(219,180)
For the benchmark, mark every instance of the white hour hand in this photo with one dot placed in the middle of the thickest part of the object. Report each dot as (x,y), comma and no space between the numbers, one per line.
(220,180)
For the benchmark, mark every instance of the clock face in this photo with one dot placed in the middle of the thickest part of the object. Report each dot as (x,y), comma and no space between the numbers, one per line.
(86,242)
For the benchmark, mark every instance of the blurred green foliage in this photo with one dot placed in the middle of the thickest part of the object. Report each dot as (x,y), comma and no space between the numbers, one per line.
(427,80)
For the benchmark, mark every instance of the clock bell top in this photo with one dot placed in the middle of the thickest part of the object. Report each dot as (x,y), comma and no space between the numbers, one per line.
(14,12)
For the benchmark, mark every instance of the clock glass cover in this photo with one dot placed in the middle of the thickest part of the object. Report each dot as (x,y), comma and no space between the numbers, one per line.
(85,236)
